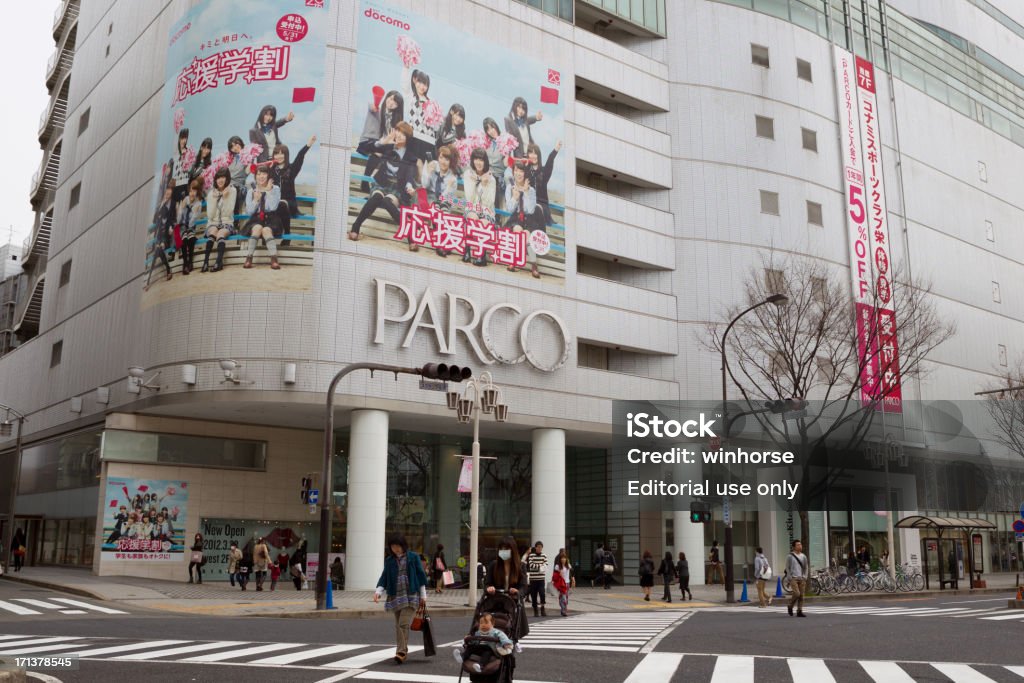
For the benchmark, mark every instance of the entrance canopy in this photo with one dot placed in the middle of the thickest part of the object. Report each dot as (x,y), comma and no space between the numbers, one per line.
(943,523)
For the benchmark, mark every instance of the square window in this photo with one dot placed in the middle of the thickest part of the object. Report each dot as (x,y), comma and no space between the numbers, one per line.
(814,213)
(770,202)
(774,281)
(55,353)
(826,369)
(995,292)
(765,127)
(83,121)
(803,70)
(76,195)
(990,231)
(1002,355)
(65,273)
(759,55)
(809,139)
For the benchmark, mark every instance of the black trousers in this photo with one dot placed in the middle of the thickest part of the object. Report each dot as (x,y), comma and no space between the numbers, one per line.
(537,588)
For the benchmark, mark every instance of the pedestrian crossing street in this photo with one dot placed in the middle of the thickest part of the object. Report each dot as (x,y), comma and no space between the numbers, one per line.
(994,614)
(703,668)
(29,607)
(606,632)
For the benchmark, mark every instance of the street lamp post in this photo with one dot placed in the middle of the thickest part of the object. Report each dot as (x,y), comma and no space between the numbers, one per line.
(485,399)
(778,300)
(5,430)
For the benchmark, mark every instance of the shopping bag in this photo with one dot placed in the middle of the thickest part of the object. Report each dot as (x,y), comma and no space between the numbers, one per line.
(417,620)
(448,577)
(429,650)
(550,588)
(197,556)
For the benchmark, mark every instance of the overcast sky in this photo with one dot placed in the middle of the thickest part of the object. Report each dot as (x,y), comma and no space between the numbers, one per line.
(25,48)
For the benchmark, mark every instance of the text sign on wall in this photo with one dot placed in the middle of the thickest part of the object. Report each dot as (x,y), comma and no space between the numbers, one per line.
(887,378)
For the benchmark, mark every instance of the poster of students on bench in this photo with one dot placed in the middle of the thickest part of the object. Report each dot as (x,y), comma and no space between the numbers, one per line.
(235,201)
(457,145)
(144,519)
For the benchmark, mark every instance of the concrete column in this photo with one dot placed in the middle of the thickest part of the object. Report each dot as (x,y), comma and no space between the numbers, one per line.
(548,493)
(367,496)
(689,538)
(449,516)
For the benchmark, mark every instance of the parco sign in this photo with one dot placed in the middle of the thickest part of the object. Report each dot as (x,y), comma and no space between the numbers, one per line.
(423,313)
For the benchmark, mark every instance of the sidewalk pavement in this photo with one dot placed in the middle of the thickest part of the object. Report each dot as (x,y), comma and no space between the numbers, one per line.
(220,599)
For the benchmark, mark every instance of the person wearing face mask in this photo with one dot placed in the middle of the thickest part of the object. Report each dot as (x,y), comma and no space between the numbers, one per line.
(405,584)
(508,573)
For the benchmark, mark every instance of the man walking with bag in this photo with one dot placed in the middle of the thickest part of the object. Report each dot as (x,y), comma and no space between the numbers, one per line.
(763,573)
(796,568)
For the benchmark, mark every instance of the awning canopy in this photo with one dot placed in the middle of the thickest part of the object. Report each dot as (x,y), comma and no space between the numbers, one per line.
(923,522)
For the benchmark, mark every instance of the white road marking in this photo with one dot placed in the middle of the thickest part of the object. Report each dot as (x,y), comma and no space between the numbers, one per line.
(84,654)
(368,658)
(732,669)
(886,672)
(810,671)
(85,605)
(233,654)
(17,609)
(308,654)
(35,640)
(38,603)
(656,666)
(138,656)
(962,673)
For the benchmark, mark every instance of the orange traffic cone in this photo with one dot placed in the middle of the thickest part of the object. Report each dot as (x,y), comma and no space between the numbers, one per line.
(1020,592)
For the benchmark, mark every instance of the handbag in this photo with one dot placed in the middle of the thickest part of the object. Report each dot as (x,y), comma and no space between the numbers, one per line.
(438,564)
(767,573)
(418,619)
(429,649)
(608,569)
(448,578)
(197,556)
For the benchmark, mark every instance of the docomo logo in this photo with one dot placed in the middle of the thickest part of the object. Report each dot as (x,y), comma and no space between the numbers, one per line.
(377,16)
(424,313)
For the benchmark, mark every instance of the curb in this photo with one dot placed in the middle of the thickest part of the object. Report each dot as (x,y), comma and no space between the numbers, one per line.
(80,592)
(357,613)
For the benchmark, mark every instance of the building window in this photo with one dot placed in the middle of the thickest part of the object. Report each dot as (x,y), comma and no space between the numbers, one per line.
(83,121)
(591,356)
(990,231)
(803,70)
(589,265)
(995,292)
(770,202)
(55,352)
(814,213)
(982,172)
(826,369)
(76,194)
(759,55)
(65,273)
(765,127)
(110,29)
(774,281)
(107,52)
(819,289)
(809,138)
(1002,355)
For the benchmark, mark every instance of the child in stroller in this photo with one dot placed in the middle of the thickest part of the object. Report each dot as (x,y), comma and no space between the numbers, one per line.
(488,652)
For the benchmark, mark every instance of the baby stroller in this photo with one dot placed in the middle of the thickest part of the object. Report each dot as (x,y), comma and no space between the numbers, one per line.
(507,611)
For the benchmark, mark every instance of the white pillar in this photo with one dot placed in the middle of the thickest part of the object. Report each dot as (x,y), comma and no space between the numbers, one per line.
(367,499)
(689,538)
(548,492)
(449,513)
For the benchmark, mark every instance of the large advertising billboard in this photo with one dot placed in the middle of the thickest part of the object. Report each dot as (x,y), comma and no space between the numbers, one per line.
(237,159)
(456,148)
(144,519)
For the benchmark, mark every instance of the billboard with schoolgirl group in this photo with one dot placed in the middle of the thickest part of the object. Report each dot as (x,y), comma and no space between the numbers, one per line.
(144,519)
(457,147)
(235,201)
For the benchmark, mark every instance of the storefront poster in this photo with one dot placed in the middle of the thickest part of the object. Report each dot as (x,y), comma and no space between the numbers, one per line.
(241,78)
(279,536)
(457,148)
(144,519)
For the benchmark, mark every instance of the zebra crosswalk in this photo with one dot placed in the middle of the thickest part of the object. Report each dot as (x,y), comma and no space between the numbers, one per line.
(607,632)
(984,613)
(30,607)
(709,668)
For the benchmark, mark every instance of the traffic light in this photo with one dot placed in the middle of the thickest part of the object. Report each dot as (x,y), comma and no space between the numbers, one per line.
(700,512)
(788,405)
(444,372)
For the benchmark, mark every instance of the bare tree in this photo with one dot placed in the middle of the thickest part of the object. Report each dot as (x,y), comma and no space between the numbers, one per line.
(1006,409)
(809,349)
